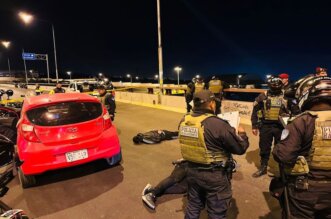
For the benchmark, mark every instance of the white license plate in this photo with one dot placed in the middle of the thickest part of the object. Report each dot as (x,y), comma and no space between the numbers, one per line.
(76,155)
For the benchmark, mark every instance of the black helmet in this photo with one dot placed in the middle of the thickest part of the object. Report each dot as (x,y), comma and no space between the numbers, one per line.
(10,93)
(289,92)
(275,84)
(2,92)
(318,91)
(302,85)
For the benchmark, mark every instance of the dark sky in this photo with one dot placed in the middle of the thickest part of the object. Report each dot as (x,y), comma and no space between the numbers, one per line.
(203,36)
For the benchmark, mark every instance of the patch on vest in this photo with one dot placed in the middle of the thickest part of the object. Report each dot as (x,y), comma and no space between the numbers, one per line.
(189,131)
(285,134)
(326,133)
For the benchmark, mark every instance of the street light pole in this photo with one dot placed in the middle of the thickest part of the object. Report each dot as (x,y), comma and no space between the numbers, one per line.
(178,70)
(9,67)
(47,68)
(55,59)
(26,73)
(160,48)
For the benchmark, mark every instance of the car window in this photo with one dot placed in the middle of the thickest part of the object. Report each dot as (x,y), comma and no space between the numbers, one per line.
(64,113)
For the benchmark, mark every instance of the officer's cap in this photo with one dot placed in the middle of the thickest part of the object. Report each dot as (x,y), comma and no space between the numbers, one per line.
(203,96)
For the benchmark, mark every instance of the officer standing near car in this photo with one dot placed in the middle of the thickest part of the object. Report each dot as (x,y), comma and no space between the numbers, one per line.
(265,120)
(189,94)
(215,85)
(207,143)
(58,89)
(107,100)
(304,152)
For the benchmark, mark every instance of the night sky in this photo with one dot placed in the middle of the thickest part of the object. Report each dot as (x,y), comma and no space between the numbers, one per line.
(205,37)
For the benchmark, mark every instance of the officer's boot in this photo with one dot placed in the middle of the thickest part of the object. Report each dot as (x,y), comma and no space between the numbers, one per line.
(261,171)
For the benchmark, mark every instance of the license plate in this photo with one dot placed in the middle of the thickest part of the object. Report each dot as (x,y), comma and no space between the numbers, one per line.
(76,155)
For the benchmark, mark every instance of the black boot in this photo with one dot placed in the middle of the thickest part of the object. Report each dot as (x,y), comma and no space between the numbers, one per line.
(261,171)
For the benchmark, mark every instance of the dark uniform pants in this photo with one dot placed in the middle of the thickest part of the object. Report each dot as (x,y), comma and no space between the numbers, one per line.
(188,99)
(268,133)
(208,187)
(176,183)
(314,203)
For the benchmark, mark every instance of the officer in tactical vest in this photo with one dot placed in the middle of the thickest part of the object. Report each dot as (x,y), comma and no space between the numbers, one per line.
(107,100)
(207,143)
(265,119)
(189,94)
(199,85)
(215,85)
(38,90)
(304,153)
(57,89)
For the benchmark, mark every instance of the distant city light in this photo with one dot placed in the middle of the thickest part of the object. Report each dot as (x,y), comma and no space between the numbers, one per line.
(137,77)
(128,76)
(100,74)
(239,76)
(156,76)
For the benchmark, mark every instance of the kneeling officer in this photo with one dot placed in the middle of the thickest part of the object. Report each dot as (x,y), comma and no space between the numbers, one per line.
(207,143)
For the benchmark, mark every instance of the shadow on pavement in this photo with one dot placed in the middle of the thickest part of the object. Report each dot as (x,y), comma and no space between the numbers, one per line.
(62,189)
(253,157)
(273,205)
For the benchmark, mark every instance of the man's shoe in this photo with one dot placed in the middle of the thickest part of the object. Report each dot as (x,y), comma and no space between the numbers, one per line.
(149,200)
(148,188)
(262,171)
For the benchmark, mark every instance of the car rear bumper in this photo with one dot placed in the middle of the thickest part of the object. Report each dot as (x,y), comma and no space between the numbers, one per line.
(39,158)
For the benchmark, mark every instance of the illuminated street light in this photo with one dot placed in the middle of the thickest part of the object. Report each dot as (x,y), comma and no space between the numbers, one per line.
(197,76)
(69,73)
(156,77)
(6,44)
(129,76)
(25,17)
(137,78)
(238,80)
(178,70)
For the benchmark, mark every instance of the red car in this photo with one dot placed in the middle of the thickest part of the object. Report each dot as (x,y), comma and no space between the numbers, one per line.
(63,130)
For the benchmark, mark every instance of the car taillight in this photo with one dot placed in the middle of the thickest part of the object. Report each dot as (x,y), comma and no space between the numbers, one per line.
(28,132)
(106,121)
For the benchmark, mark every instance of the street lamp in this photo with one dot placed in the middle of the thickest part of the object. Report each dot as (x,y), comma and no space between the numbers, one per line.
(129,76)
(156,77)
(100,75)
(238,80)
(6,44)
(178,70)
(69,73)
(27,19)
(137,78)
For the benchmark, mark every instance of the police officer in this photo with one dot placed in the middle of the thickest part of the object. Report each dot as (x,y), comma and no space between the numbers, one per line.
(107,100)
(285,79)
(265,119)
(321,72)
(199,85)
(207,143)
(305,153)
(189,94)
(215,85)
(37,90)
(58,89)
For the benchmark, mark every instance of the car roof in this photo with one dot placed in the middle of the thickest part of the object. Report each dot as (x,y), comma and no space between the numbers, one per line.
(43,99)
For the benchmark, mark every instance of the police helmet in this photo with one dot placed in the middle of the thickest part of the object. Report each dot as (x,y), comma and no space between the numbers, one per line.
(275,84)
(2,92)
(319,91)
(10,93)
(303,84)
(194,80)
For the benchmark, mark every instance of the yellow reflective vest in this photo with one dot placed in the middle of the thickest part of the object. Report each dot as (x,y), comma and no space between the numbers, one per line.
(272,106)
(215,86)
(192,142)
(199,87)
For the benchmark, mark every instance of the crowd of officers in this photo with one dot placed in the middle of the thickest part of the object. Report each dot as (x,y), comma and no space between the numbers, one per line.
(302,145)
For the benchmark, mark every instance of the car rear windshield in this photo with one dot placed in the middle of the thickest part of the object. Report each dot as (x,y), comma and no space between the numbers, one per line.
(64,113)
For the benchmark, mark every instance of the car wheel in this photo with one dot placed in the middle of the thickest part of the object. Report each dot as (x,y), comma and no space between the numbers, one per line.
(116,159)
(26,180)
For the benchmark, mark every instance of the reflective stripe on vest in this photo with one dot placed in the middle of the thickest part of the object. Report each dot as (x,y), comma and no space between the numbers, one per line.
(215,86)
(192,142)
(199,87)
(320,152)
(272,112)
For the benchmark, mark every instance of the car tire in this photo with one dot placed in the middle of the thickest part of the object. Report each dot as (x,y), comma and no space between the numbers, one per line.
(116,159)
(26,180)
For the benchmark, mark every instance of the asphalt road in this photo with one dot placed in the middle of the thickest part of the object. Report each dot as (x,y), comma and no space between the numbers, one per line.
(97,191)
